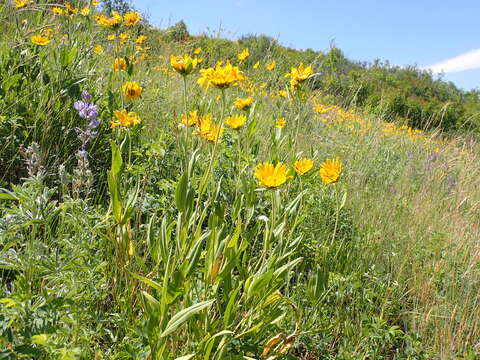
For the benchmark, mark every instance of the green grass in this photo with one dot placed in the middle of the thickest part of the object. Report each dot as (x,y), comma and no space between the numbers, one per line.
(169,247)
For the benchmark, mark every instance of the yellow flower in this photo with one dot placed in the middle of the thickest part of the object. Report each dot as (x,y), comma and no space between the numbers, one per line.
(197,51)
(111,37)
(190,120)
(119,64)
(125,119)
(131,18)
(282,93)
(321,109)
(208,129)
(298,75)
(47,32)
(271,65)
(184,65)
(331,170)
(243,55)
(20,3)
(69,9)
(116,19)
(98,49)
(272,176)
(140,39)
(221,76)
(303,166)
(280,123)
(103,20)
(95,2)
(123,37)
(131,90)
(40,40)
(256,64)
(85,11)
(57,11)
(236,121)
(243,103)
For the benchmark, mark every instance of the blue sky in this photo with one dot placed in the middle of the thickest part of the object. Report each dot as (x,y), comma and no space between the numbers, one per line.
(440,34)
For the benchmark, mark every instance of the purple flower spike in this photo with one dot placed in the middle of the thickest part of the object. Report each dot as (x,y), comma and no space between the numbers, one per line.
(86,97)
(79,105)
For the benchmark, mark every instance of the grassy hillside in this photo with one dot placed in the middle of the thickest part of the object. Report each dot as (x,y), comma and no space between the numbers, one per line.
(159,207)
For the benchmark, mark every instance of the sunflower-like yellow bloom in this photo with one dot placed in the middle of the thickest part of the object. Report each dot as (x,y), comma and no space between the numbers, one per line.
(271,66)
(243,55)
(103,20)
(95,2)
(303,166)
(236,121)
(140,39)
(243,103)
(184,65)
(192,118)
(40,40)
(272,176)
(282,93)
(116,19)
(131,18)
(331,170)
(70,9)
(131,90)
(256,65)
(85,11)
(98,49)
(20,3)
(299,75)
(123,37)
(208,129)
(57,11)
(280,123)
(119,64)
(124,119)
(111,37)
(222,76)
(197,51)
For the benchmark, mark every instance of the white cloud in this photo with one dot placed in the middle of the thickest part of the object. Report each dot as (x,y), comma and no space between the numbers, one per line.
(466,61)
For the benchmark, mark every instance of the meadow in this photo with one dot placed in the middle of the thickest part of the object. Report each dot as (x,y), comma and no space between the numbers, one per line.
(167,196)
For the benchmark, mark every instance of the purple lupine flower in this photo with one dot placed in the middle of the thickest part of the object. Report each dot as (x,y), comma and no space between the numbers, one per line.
(86,97)
(89,111)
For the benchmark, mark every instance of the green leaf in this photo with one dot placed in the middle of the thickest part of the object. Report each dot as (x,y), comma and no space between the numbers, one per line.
(259,283)
(186,357)
(117,161)
(40,339)
(178,319)
(181,193)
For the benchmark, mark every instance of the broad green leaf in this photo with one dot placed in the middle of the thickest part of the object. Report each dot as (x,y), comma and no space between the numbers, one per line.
(40,339)
(179,318)
(181,193)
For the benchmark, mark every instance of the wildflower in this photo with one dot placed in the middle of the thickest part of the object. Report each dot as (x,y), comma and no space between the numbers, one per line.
(197,51)
(271,65)
(57,11)
(236,121)
(272,176)
(131,18)
(184,65)
(221,76)
(47,32)
(40,40)
(98,49)
(299,75)
(119,64)
(124,119)
(208,129)
(191,119)
(95,2)
(69,9)
(243,104)
(103,20)
(116,19)
(280,123)
(140,39)
(123,37)
(282,93)
(243,55)
(303,166)
(20,3)
(256,65)
(331,170)
(111,37)
(85,11)
(131,90)
(86,109)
